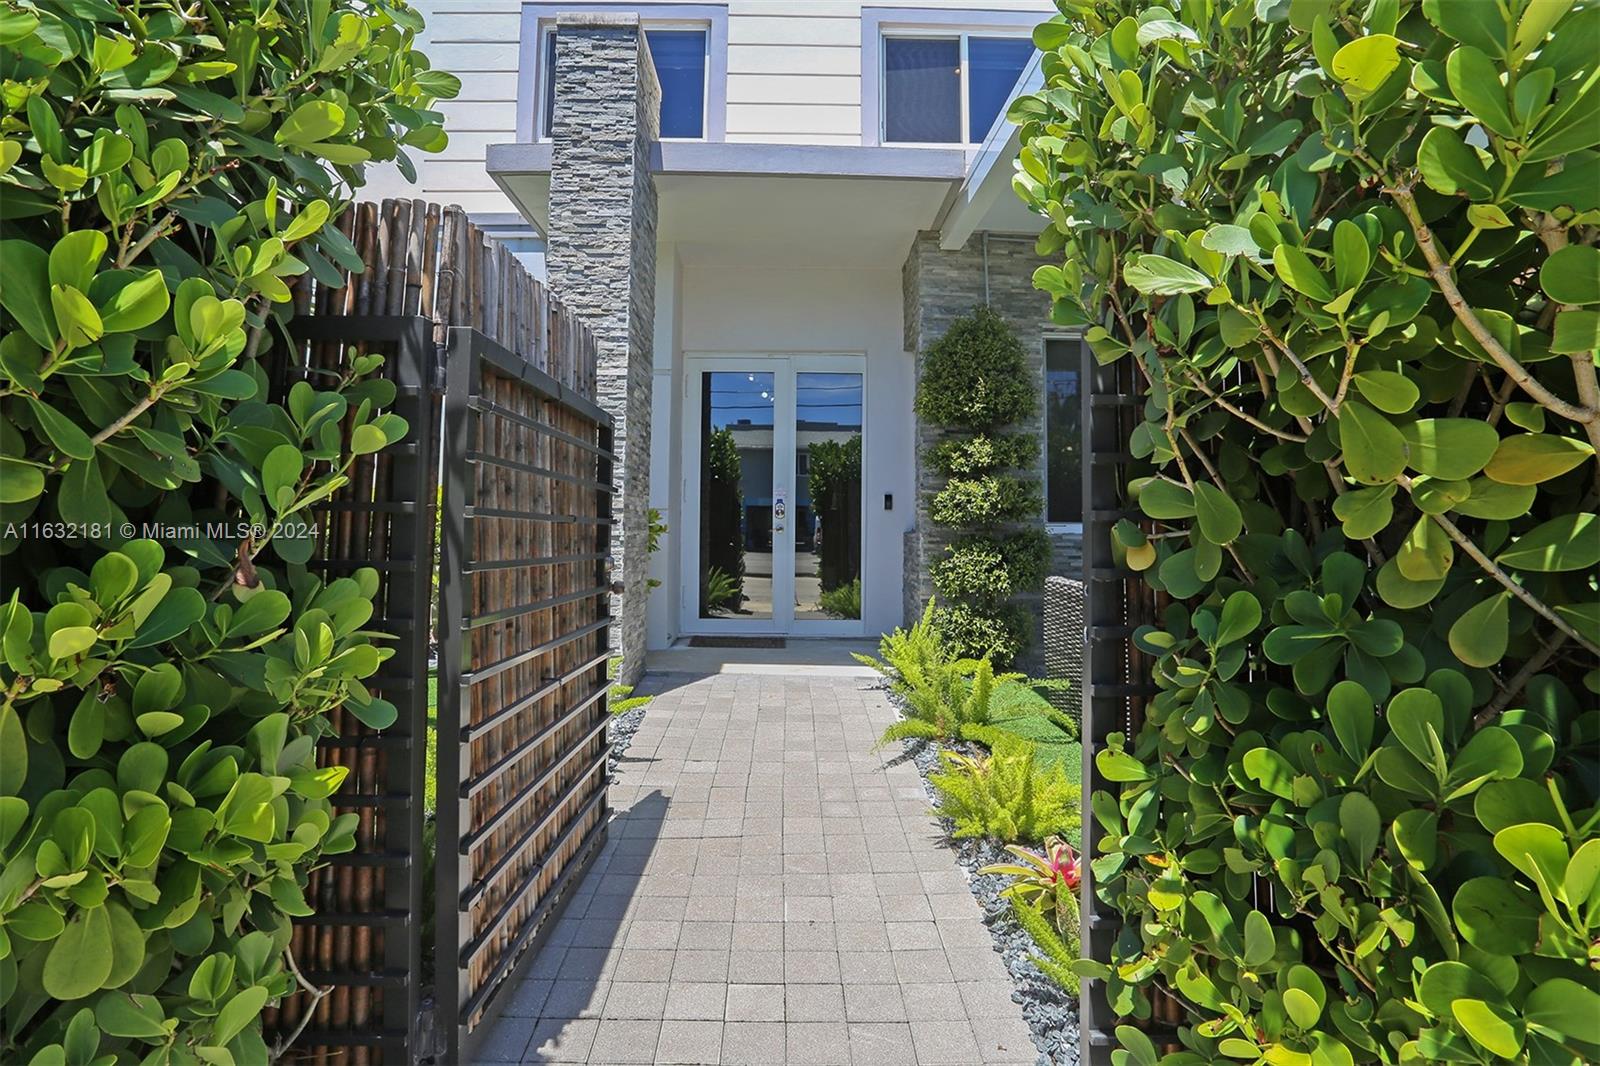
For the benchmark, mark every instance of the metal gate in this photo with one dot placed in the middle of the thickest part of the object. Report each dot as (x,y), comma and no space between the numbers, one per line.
(489,528)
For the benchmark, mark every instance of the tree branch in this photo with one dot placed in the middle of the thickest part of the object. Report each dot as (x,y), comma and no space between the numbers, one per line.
(1444,277)
(1519,681)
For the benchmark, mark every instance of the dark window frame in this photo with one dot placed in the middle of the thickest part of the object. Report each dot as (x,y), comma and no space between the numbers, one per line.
(963,36)
(1068,347)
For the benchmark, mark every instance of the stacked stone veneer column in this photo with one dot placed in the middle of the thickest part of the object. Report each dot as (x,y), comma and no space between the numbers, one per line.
(939,287)
(601,261)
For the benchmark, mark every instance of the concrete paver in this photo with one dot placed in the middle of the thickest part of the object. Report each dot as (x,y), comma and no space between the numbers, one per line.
(773,891)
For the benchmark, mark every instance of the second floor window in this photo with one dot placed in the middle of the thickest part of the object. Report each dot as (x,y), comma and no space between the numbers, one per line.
(947,89)
(680,60)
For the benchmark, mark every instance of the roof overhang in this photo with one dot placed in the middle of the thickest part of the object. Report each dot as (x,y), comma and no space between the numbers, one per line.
(806,205)
(984,200)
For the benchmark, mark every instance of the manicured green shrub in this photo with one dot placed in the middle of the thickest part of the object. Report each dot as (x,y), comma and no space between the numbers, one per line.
(997,633)
(975,376)
(985,570)
(1349,249)
(992,500)
(975,379)
(833,476)
(983,452)
(168,663)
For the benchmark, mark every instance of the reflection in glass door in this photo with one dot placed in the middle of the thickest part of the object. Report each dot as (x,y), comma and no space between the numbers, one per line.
(736,494)
(827,497)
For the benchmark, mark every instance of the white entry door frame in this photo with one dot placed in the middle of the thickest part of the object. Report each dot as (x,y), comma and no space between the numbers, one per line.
(784,369)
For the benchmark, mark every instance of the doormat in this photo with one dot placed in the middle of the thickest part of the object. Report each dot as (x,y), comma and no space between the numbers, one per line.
(738,642)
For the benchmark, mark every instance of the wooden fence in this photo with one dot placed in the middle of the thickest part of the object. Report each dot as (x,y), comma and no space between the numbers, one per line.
(521,682)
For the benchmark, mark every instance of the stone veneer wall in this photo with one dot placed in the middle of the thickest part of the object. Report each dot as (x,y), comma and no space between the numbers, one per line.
(939,287)
(601,260)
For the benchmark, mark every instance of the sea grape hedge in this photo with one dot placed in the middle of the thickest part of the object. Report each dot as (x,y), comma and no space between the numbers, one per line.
(975,382)
(1350,249)
(166,662)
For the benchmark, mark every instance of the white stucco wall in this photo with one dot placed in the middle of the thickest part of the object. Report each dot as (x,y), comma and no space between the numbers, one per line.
(752,310)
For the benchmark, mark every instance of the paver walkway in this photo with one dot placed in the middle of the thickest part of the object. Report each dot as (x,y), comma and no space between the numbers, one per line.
(772,892)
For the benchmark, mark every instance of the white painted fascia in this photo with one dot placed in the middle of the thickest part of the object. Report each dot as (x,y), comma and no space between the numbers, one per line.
(989,172)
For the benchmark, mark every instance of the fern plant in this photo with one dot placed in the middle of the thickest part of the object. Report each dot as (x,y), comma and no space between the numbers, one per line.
(908,656)
(1008,795)
(1059,944)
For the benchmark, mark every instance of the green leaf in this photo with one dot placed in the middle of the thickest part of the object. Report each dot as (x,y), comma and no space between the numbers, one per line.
(1359,821)
(1570,542)
(1241,614)
(1564,1009)
(1387,390)
(1479,636)
(1366,63)
(1475,82)
(1158,275)
(1416,836)
(1166,500)
(1572,275)
(1217,515)
(75,257)
(1537,849)
(1271,770)
(1495,916)
(1477,24)
(1491,1027)
(1490,499)
(1427,552)
(1452,449)
(13,752)
(19,481)
(1365,512)
(76,317)
(1300,274)
(313,121)
(1352,715)
(1450,166)
(64,433)
(25,289)
(136,304)
(1532,458)
(1352,257)
(80,960)
(130,1016)
(1260,943)
(239,1012)
(1576,332)
(280,475)
(1374,450)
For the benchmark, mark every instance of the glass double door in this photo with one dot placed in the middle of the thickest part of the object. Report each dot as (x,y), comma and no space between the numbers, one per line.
(773,472)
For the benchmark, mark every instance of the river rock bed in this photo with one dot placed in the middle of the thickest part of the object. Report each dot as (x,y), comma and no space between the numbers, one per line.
(1051,1014)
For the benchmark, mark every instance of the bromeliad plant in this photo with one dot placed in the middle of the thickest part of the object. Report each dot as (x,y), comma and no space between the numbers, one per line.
(1349,251)
(167,664)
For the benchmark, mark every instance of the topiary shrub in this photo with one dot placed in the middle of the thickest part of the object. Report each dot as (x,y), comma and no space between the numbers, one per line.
(1349,248)
(975,380)
(987,570)
(975,376)
(975,454)
(168,663)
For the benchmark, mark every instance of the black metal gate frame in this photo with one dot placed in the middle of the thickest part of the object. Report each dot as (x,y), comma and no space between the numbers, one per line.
(467,352)
(403,610)
(1110,407)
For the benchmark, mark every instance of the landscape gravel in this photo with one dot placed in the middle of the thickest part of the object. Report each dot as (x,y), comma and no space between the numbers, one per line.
(1052,1015)
(623,727)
